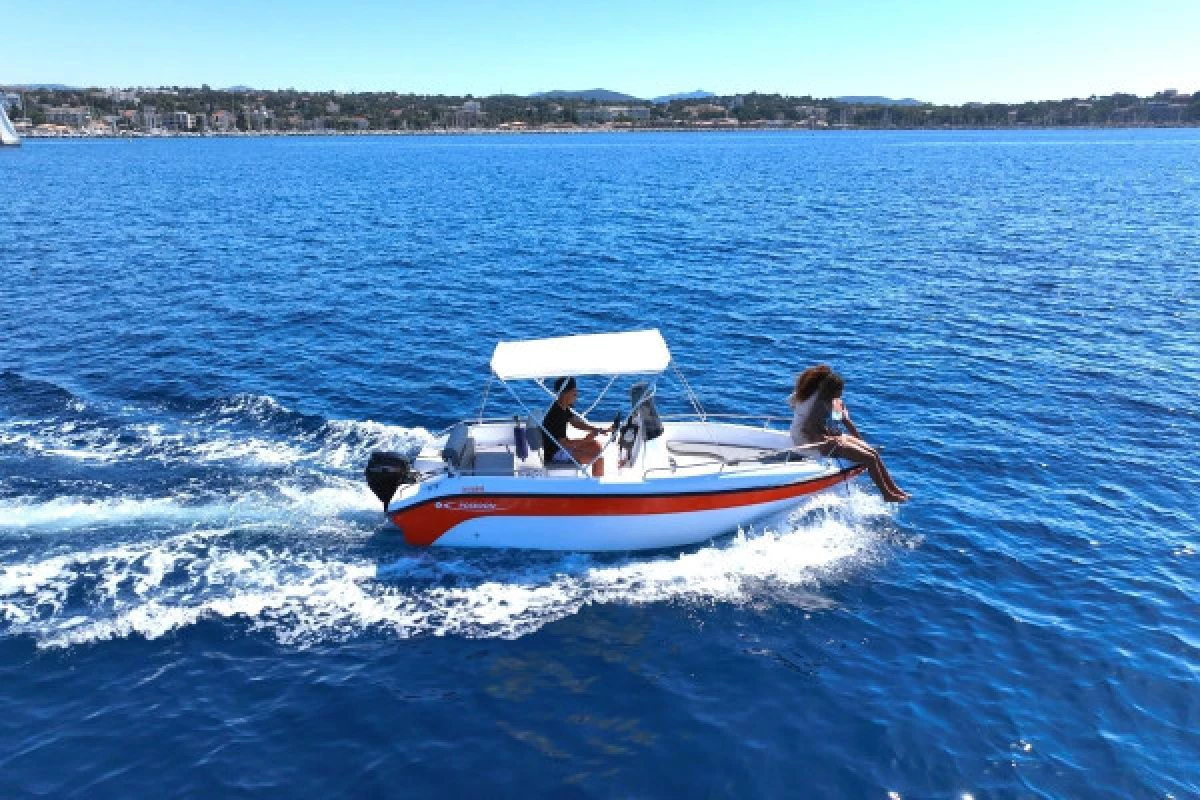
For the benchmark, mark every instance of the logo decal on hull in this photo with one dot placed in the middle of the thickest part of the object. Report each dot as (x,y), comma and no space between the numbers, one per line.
(467,505)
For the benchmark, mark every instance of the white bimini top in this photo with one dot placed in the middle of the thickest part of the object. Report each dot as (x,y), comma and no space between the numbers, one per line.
(630,353)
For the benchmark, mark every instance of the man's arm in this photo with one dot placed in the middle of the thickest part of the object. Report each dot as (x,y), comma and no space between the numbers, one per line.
(577,421)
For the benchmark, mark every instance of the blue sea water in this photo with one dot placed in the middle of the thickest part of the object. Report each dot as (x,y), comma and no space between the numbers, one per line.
(201,342)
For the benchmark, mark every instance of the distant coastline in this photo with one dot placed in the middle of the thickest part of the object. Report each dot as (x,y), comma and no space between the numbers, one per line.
(582,131)
(61,112)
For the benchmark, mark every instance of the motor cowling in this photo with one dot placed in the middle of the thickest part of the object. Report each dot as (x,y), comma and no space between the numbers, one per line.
(387,472)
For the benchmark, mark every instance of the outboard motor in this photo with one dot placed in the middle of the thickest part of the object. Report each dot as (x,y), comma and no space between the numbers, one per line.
(387,472)
(647,414)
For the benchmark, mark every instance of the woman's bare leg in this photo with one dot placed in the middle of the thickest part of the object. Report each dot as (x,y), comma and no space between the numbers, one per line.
(858,443)
(857,451)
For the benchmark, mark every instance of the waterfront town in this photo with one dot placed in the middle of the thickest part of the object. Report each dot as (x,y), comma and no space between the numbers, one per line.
(56,111)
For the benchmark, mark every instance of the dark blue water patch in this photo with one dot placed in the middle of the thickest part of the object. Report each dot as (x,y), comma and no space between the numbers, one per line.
(189,388)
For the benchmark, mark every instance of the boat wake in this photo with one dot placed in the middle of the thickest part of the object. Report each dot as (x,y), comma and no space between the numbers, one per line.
(304,589)
(263,523)
(336,499)
(245,429)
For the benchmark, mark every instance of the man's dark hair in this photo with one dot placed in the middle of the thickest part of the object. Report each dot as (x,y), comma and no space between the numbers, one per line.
(563,384)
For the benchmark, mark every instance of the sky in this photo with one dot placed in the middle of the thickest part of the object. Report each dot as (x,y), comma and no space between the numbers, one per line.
(936,51)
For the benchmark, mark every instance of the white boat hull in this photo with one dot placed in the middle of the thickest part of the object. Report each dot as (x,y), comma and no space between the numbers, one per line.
(588,515)
(688,482)
(615,533)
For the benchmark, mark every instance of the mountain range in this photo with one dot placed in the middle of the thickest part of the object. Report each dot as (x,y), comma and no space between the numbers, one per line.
(49,87)
(593,95)
(698,94)
(609,96)
(876,100)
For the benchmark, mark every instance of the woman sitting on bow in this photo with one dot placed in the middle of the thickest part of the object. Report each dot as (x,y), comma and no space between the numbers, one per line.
(816,403)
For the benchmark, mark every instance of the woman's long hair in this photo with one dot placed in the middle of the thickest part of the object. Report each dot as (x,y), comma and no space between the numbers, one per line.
(829,389)
(807,382)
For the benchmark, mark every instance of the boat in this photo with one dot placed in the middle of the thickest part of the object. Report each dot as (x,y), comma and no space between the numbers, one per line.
(669,480)
(8,134)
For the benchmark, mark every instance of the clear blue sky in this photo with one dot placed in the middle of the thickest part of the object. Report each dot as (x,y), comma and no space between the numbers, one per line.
(938,51)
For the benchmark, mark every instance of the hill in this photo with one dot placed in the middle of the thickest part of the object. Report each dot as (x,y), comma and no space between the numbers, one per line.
(699,94)
(594,95)
(876,100)
(50,87)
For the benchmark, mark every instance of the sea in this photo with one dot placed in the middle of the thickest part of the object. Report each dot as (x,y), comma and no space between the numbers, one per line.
(203,340)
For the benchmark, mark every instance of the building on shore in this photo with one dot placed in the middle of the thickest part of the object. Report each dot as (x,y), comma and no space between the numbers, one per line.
(705,110)
(179,121)
(628,112)
(469,115)
(1164,111)
(609,114)
(813,116)
(68,116)
(594,114)
(122,95)
(259,119)
(223,121)
(149,119)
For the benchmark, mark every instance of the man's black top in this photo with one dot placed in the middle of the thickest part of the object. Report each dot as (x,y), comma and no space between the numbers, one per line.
(555,424)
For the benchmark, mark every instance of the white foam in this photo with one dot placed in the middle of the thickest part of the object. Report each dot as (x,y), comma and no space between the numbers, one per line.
(72,512)
(64,440)
(349,443)
(287,503)
(301,592)
(210,439)
(255,405)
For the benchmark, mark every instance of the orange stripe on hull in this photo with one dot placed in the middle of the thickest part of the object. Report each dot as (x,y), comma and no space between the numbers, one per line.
(425,523)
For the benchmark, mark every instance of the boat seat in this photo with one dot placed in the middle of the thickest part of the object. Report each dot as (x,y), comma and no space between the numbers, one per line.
(492,461)
(536,438)
(729,453)
(459,446)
